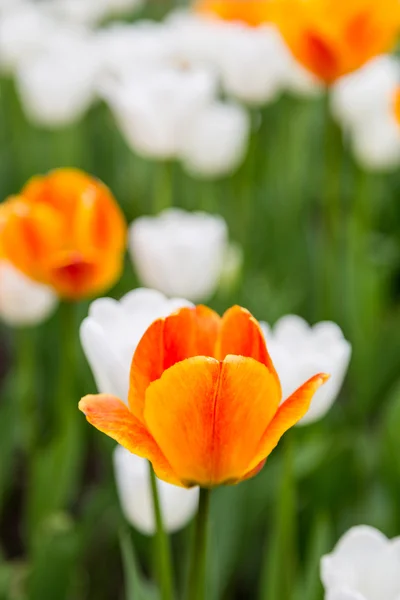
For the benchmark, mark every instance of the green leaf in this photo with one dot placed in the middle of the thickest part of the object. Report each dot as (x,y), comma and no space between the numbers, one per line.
(55,473)
(54,558)
(279,563)
(137,587)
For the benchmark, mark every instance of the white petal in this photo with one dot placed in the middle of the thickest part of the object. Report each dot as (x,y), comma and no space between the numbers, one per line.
(23,301)
(110,373)
(179,253)
(291,330)
(153,107)
(178,505)
(57,87)
(299,351)
(364,563)
(111,332)
(215,140)
(366,92)
(376,143)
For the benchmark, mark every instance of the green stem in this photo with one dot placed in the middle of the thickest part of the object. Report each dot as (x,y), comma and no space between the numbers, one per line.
(162,544)
(198,567)
(330,274)
(163,194)
(26,386)
(67,365)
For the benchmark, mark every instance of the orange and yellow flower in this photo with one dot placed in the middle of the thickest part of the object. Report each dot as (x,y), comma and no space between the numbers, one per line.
(252,12)
(332,38)
(66,230)
(204,399)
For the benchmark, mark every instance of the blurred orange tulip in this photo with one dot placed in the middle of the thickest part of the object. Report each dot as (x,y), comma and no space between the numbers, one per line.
(65,230)
(204,399)
(332,38)
(397,105)
(252,12)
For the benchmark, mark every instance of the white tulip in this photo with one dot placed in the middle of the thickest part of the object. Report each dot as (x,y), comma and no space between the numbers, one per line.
(178,505)
(23,301)
(197,40)
(109,336)
(251,63)
(57,87)
(249,60)
(376,143)
(111,332)
(299,351)
(365,565)
(82,12)
(215,140)
(366,92)
(22,33)
(179,253)
(126,48)
(154,107)
(90,12)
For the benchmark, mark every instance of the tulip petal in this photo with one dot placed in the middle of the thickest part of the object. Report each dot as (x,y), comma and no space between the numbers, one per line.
(187,333)
(112,417)
(209,417)
(288,414)
(241,335)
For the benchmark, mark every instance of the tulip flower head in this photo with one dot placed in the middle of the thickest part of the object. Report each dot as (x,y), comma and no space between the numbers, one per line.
(65,230)
(204,399)
(333,38)
(252,12)
(364,565)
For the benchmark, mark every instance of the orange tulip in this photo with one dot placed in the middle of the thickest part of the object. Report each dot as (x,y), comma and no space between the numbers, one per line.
(204,399)
(65,230)
(396,104)
(332,38)
(252,12)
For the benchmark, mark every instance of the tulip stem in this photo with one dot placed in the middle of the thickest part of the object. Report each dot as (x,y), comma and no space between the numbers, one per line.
(198,567)
(164,561)
(26,383)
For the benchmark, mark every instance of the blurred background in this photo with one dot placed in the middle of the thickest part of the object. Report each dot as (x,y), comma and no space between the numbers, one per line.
(171,108)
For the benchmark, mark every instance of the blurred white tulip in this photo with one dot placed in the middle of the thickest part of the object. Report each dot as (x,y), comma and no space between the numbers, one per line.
(111,332)
(249,60)
(251,63)
(90,12)
(82,12)
(196,40)
(22,33)
(376,143)
(366,92)
(215,140)
(180,253)
(58,86)
(299,351)
(178,505)
(125,48)
(154,107)
(364,565)
(23,301)
(109,336)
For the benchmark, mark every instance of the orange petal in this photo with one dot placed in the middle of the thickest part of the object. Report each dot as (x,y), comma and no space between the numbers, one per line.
(111,416)
(241,335)
(208,417)
(188,332)
(288,414)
